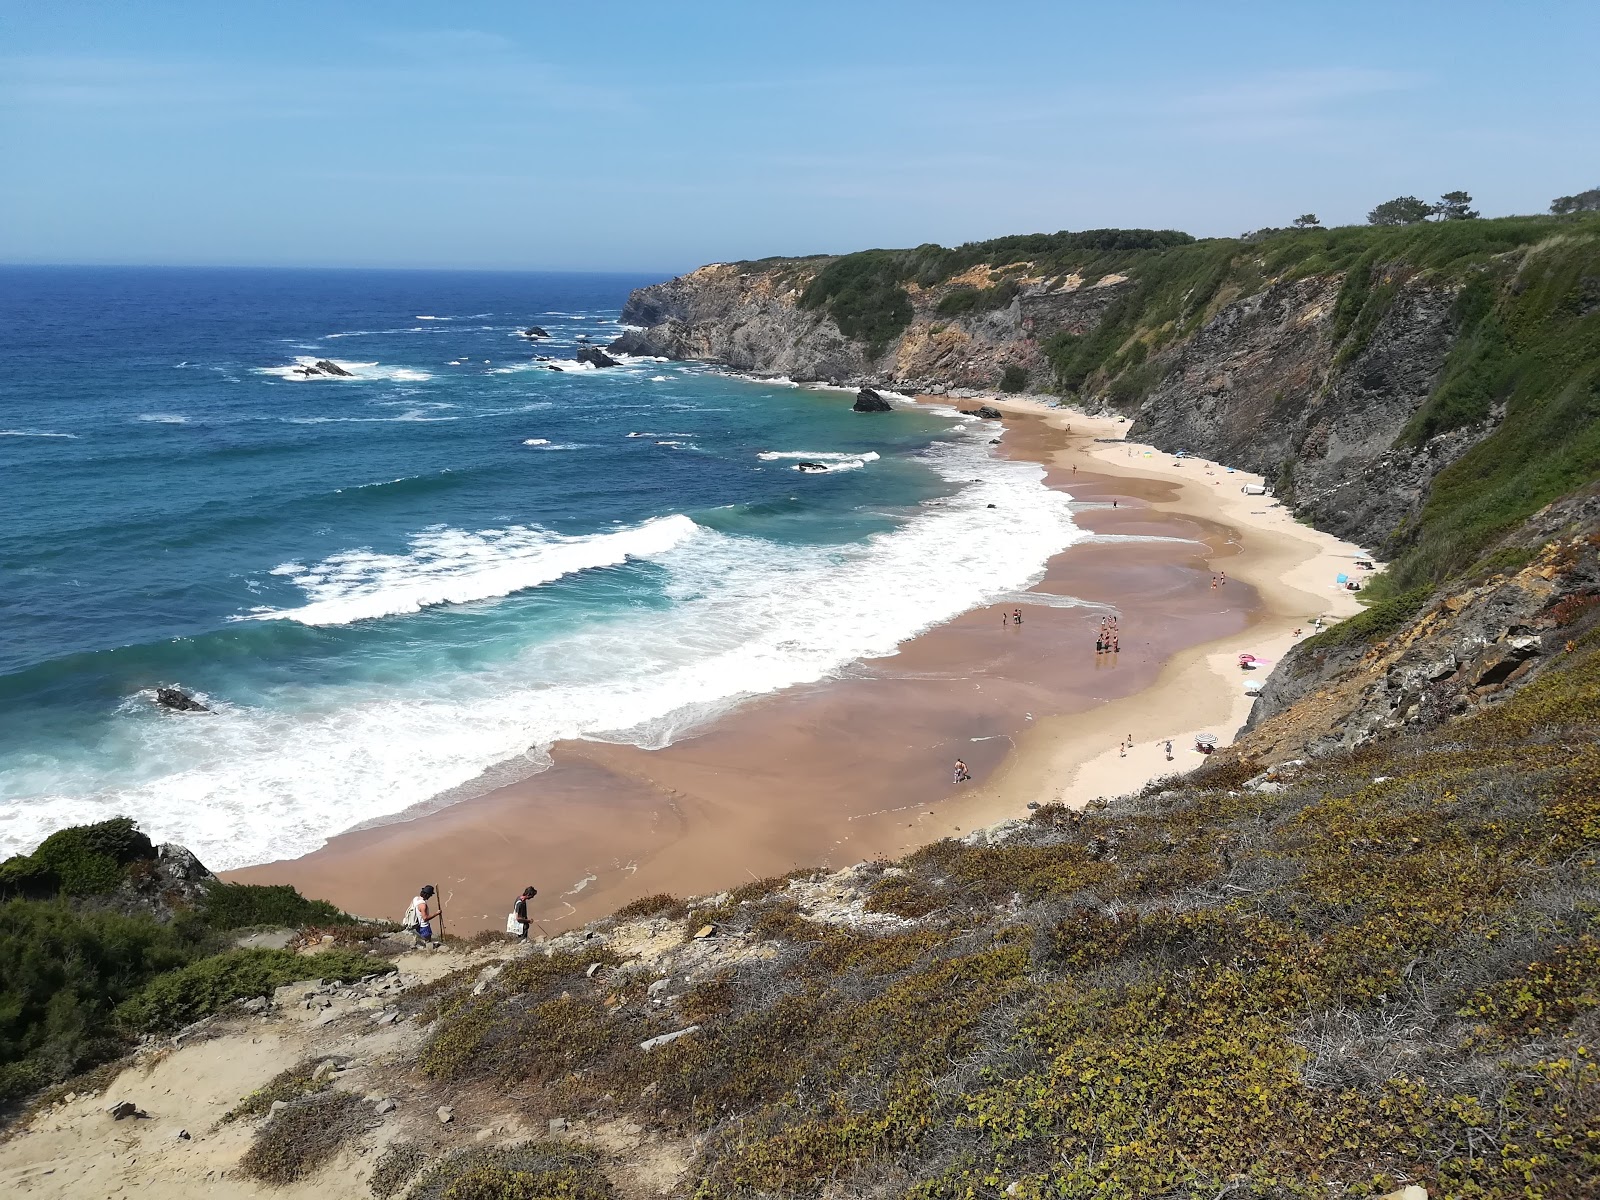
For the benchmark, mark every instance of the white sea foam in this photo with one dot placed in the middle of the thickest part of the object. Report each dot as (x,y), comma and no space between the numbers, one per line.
(454,566)
(254,782)
(817,455)
(163,418)
(358,371)
(658,379)
(536,441)
(42,433)
(832,460)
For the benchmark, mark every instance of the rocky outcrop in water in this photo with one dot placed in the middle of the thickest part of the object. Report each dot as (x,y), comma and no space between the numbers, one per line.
(868,400)
(595,357)
(178,700)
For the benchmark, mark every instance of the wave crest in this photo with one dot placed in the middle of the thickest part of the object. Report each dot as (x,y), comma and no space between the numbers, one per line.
(454,566)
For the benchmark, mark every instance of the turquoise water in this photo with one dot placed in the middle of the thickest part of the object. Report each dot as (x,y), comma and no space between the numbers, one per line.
(416,579)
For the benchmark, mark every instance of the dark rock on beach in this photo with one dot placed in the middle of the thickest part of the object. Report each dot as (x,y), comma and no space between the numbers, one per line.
(595,356)
(868,400)
(988,413)
(178,701)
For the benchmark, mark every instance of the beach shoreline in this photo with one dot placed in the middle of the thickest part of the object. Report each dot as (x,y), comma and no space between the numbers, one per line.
(846,769)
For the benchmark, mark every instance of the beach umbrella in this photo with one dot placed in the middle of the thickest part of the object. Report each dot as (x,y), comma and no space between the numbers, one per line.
(1341,579)
(1210,738)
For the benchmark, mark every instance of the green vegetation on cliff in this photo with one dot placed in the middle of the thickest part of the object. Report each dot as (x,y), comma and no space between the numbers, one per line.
(865,293)
(1525,328)
(1379,972)
(95,947)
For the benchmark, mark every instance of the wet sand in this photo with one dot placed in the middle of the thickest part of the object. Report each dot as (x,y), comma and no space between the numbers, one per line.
(832,773)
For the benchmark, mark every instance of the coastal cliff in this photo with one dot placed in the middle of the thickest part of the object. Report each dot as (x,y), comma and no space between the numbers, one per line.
(1399,385)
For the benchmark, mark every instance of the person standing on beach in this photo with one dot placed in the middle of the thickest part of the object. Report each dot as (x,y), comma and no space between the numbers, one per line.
(1169,749)
(423,913)
(961,772)
(520,909)
(1016,616)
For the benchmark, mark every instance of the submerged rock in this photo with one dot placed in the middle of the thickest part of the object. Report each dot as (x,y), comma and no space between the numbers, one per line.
(595,356)
(868,400)
(178,701)
(534,331)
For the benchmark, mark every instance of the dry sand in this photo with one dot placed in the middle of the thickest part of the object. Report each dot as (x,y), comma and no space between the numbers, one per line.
(844,770)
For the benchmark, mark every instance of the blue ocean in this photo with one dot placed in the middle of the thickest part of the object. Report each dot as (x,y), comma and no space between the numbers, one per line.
(407,582)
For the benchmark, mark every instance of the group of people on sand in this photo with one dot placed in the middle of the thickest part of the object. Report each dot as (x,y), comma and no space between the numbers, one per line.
(1014,619)
(1110,639)
(424,911)
(1218,580)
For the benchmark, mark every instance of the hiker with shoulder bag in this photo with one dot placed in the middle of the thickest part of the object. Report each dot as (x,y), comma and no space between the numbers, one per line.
(517,920)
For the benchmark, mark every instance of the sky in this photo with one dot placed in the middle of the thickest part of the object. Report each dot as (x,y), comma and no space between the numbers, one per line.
(528,134)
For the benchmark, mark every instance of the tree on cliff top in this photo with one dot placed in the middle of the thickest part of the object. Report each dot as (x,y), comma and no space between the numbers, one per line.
(1454,206)
(1307,221)
(1587,201)
(1402,210)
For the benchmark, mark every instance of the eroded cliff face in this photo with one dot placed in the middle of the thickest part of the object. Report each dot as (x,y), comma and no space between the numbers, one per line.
(748,317)
(1263,385)
(1468,648)
(1260,383)
(745,319)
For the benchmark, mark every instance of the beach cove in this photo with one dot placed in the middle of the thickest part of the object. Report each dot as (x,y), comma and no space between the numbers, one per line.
(858,767)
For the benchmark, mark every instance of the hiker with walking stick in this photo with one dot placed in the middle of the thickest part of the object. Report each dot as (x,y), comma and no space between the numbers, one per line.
(421,914)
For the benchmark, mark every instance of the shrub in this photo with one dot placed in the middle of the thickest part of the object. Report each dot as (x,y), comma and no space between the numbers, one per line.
(1376,621)
(530,1171)
(1014,378)
(396,1167)
(1547,996)
(85,860)
(62,971)
(287,1086)
(302,1137)
(240,905)
(183,996)
(660,905)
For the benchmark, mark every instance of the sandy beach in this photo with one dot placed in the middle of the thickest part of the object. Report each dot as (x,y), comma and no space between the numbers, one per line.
(851,768)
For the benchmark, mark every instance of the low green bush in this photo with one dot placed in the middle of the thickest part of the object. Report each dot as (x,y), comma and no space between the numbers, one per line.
(1376,621)
(299,1080)
(241,905)
(660,905)
(301,1138)
(183,996)
(530,1171)
(396,1167)
(85,860)
(62,971)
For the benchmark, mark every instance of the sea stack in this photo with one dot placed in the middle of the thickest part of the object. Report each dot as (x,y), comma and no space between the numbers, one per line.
(596,357)
(868,400)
